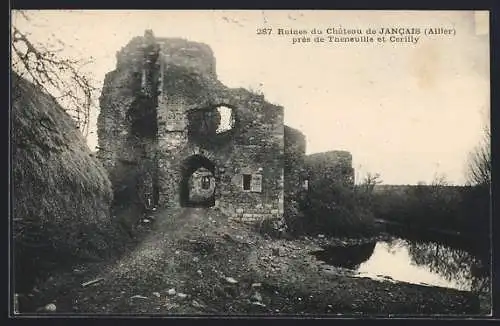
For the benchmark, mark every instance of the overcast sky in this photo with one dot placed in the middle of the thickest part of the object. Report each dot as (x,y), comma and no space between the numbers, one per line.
(406,111)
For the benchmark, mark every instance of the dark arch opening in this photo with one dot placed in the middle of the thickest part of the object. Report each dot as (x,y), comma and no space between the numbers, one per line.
(188,168)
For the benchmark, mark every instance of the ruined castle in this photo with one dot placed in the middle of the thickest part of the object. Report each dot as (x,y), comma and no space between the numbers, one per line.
(171,134)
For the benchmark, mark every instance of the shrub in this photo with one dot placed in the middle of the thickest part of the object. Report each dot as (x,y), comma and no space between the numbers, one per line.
(337,210)
(293,217)
(60,193)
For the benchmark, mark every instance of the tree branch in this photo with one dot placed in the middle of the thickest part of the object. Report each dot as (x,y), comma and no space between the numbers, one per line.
(60,77)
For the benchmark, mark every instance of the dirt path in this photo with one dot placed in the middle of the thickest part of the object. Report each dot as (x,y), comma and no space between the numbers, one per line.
(194,261)
(187,257)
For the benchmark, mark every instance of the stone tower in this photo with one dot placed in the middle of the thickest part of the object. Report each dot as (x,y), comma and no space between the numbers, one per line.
(165,115)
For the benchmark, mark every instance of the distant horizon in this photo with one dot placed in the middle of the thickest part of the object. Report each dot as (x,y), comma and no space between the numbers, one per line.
(407,112)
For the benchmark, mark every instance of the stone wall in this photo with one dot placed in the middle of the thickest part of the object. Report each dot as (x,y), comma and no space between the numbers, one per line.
(254,146)
(159,115)
(295,169)
(295,175)
(177,78)
(126,102)
(333,165)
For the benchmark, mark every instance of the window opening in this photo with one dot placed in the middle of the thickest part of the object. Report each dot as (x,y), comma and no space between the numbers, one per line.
(247,180)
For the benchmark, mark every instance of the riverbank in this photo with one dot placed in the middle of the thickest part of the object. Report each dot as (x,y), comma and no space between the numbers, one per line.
(194,262)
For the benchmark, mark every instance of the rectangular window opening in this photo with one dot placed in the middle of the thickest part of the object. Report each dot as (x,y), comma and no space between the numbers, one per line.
(247,180)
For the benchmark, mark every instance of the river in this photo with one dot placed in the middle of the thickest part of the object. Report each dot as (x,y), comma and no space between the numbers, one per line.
(420,262)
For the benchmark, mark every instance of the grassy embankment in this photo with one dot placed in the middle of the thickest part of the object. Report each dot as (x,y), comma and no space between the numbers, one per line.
(61,195)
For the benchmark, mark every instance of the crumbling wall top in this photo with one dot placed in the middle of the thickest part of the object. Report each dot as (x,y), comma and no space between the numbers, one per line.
(333,157)
(174,51)
(294,137)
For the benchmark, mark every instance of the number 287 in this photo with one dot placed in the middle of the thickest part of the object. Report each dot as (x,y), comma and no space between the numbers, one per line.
(264,31)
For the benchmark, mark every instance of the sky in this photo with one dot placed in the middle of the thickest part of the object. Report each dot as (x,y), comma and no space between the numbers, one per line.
(408,111)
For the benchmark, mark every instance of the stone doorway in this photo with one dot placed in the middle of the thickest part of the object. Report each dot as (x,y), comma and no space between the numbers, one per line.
(197,188)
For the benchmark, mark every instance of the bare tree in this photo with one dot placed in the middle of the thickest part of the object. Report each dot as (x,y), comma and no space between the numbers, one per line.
(43,64)
(479,162)
(371,180)
(440,180)
(365,190)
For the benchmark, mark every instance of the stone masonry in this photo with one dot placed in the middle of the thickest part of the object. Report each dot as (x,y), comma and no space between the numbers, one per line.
(161,141)
(333,165)
(158,125)
(295,166)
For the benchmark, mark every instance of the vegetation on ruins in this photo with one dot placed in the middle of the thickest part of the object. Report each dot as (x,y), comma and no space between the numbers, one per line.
(336,209)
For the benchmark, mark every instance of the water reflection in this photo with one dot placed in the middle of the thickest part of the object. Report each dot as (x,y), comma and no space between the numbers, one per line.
(454,265)
(427,263)
(348,257)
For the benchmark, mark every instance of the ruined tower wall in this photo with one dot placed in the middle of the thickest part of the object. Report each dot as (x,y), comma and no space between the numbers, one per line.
(332,165)
(295,176)
(254,146)
(258,151)
(129,159)
(182,80)
(294,168)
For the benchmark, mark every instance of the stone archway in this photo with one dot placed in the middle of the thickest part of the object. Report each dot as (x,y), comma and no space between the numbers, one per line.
(197,186)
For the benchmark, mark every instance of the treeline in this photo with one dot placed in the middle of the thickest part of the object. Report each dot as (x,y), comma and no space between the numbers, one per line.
(420,206)
(462,209)
(339,209)
(439,207)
